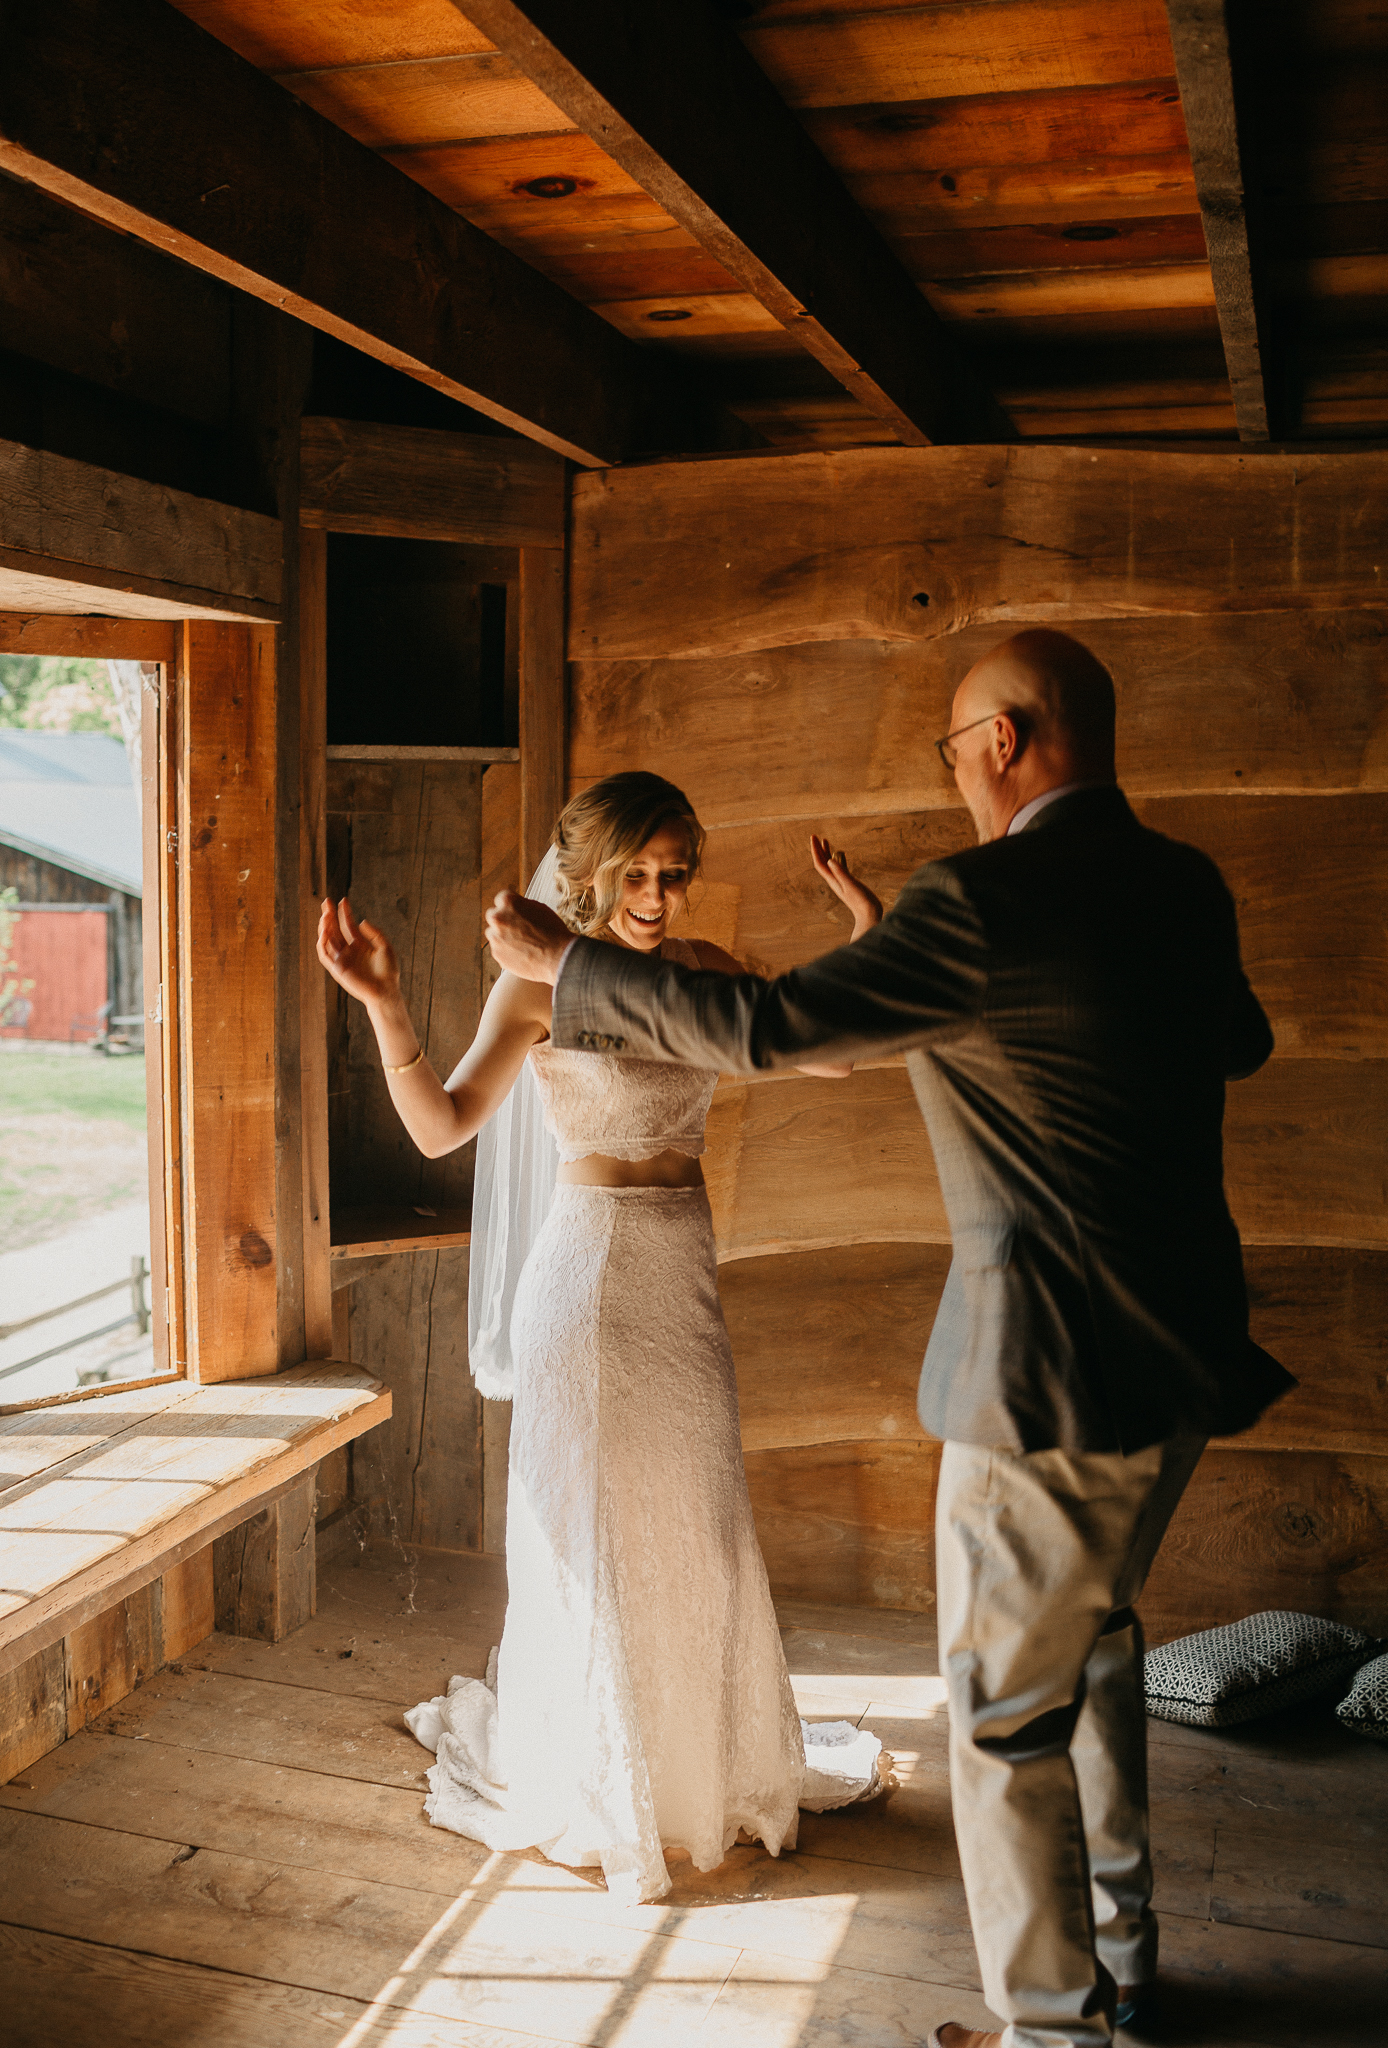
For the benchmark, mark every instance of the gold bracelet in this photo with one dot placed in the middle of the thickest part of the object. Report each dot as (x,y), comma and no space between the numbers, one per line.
(408,1064)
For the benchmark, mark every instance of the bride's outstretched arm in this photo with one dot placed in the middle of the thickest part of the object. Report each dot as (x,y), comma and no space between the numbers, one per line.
(361,959)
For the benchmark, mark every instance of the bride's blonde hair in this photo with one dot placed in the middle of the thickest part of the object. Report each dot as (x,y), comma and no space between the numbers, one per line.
(602,830)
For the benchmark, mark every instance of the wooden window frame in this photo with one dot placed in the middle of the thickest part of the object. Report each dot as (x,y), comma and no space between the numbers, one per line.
(208,786)
(159,726)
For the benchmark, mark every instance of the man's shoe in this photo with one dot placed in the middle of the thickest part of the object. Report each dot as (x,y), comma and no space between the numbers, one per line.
(1135,2003)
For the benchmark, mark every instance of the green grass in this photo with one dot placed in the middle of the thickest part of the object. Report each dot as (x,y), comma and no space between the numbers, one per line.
(89,1085)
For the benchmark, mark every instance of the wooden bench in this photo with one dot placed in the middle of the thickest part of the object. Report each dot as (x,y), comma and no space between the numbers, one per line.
(134,1522)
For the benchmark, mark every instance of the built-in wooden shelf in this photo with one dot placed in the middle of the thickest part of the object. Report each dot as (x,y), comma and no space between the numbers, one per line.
(424,753)
(367,1233)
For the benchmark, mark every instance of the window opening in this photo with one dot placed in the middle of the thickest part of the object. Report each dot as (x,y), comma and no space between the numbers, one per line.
(83,1271)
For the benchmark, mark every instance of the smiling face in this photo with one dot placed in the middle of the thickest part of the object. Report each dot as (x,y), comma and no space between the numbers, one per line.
(654,887)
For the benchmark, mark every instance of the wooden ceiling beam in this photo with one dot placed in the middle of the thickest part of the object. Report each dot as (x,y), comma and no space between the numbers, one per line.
(667,90)
(142,120)
(1204,72)
(421,484)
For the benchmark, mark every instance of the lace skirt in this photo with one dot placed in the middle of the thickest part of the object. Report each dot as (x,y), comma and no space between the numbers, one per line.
(641,1694)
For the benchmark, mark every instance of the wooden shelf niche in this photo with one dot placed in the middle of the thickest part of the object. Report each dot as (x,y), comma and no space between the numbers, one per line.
(421,705)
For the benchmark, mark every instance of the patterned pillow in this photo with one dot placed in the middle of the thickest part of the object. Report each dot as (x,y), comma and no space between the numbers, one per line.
(1365,1707)
(1258,1666)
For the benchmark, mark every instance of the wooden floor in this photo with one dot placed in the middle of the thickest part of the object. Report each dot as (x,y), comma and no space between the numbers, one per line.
(235,1857)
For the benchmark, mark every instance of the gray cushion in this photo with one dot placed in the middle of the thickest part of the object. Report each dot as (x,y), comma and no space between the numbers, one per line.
(1364,1709)
(1258,1666)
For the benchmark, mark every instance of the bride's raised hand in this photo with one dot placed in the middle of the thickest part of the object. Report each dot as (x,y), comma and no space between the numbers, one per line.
(832,868)
(358,956)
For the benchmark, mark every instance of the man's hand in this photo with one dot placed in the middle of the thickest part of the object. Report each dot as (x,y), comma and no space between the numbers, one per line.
(526,938)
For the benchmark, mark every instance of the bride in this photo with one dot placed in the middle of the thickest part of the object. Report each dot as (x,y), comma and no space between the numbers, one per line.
(640,1700)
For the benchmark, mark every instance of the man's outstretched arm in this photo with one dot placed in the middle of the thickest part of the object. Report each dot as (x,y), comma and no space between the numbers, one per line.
(918,975)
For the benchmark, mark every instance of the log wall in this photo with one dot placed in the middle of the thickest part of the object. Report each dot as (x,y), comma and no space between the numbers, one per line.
(782,637)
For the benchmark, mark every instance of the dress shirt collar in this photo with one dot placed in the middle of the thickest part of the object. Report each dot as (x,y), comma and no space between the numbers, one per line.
(1048,796)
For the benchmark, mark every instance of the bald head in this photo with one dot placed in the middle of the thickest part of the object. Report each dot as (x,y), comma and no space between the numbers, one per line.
(1036,712)
(1062,691)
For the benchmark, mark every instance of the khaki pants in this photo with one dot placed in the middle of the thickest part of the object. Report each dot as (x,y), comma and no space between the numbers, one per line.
(1039,1558)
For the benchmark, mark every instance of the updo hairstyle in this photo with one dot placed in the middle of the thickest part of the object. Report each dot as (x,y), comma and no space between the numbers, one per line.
(601,831)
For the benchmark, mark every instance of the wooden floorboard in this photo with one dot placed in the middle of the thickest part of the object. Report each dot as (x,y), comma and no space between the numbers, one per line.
(388,1623)
(59,1991)
(235,1857)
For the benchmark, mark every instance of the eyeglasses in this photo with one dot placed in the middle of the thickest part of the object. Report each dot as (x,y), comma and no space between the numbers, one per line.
(949,754)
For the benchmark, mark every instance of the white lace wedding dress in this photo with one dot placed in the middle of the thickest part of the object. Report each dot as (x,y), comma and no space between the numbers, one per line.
(640,1699)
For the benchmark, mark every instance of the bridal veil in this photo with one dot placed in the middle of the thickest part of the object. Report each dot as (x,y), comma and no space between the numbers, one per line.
(513,1190)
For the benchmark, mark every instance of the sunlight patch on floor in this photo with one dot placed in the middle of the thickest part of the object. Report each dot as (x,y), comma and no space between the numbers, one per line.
(511,1953)
(911,1699)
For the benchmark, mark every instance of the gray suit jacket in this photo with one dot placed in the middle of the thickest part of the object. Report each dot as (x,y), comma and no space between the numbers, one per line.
(1070,1002)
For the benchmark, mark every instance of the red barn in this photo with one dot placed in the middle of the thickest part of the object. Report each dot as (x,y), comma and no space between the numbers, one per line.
(70,849)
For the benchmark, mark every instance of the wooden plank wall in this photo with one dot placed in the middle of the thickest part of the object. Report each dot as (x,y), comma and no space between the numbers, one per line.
(782,636)
(420,847)
(405,840)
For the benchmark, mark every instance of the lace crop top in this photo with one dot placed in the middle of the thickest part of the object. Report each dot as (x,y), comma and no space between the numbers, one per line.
(620,1108)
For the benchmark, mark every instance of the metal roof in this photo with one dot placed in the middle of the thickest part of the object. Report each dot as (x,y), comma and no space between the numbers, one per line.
(67,797)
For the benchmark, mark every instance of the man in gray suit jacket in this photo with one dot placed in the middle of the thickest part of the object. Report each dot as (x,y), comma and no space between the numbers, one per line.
(1070,1002)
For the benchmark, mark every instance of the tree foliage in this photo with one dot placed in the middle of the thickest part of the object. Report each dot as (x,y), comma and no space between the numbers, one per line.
(56,693)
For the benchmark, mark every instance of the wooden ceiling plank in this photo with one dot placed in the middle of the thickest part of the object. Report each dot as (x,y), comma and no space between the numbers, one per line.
(1086,246)
(603,276)
(138,118)
(489,169)
(1214,419)
(1200,38)
(1361,276)
(1031,127)
(1085,327)
(1346,386)
(753,190)
(275,37)
(812,422)
(1039,294)
(1025,195)
(602,219)
(402,106)
(946,50)
(684,319)
(1358,229)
